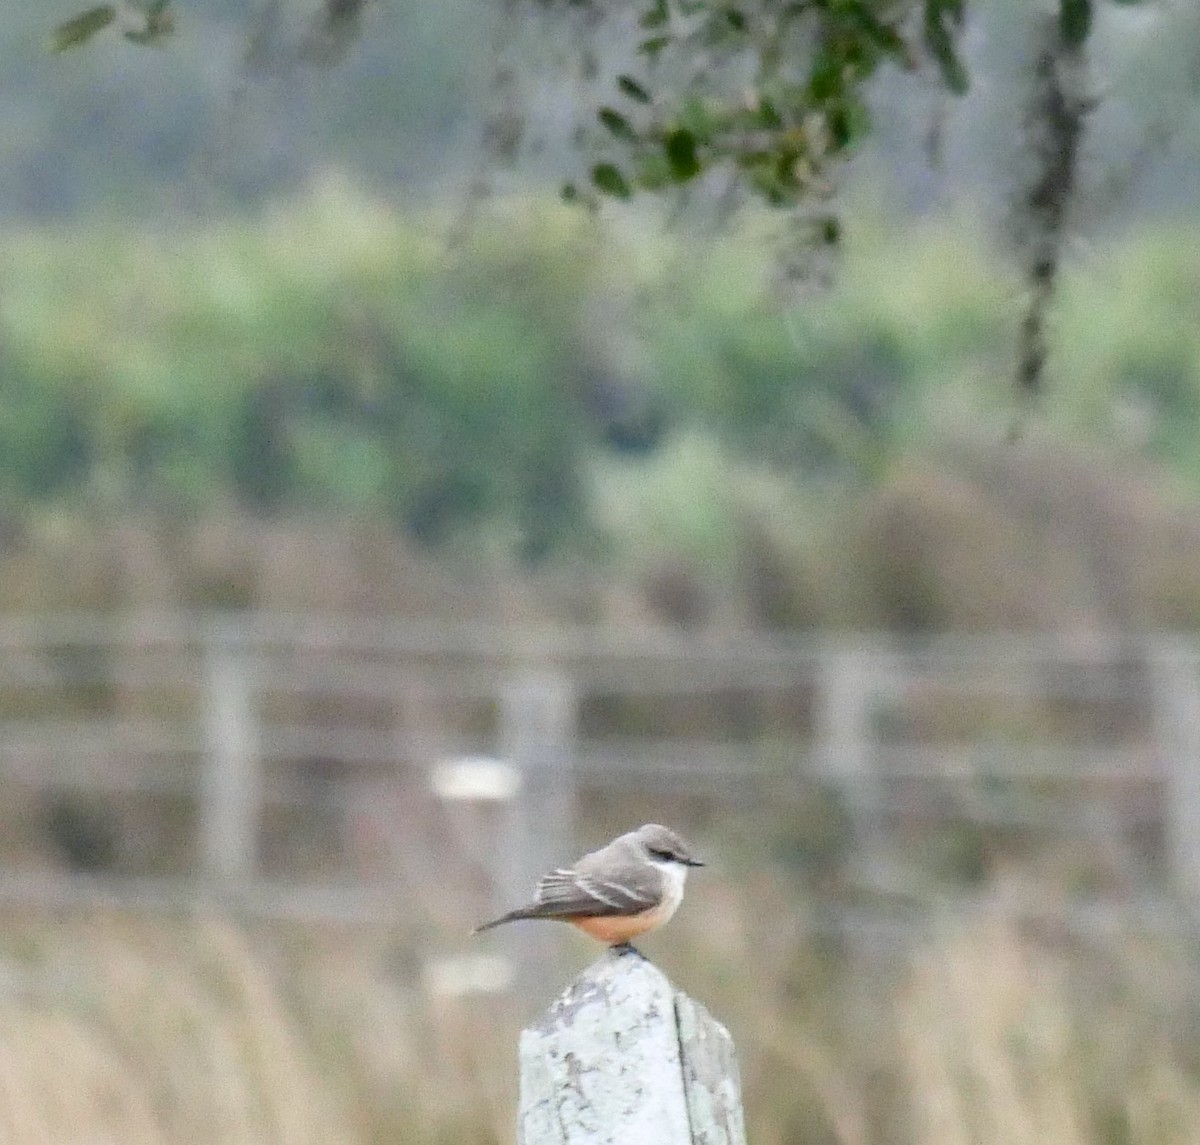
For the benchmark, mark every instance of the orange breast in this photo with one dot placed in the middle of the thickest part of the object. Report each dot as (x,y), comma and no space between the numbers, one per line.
(615,929)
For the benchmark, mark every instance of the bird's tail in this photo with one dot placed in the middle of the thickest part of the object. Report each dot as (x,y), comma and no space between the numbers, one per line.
(512,916)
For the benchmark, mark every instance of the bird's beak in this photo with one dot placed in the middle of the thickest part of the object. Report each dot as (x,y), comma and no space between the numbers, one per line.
(694,863)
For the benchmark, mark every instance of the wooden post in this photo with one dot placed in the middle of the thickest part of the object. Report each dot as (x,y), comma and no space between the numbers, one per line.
(537,737)
(623,1058)
(845,748)
(1175,682)
(850,685)
(229,796)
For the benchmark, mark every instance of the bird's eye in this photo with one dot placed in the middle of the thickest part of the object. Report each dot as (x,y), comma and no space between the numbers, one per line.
(659,853)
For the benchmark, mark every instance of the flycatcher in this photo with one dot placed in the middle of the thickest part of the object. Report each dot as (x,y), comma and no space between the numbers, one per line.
(618,892)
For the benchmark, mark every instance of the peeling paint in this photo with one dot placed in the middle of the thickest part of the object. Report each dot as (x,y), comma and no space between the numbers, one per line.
(622,1058)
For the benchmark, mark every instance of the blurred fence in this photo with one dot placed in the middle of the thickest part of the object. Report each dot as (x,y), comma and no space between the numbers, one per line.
(278,764)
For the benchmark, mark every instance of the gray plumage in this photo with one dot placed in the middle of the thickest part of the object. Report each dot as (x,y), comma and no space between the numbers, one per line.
(632,874)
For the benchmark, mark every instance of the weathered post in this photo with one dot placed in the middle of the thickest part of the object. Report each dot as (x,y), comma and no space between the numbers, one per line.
(1174,667)
(851,682)
(229,794)
(845,747)
(623,1058)
(537,738)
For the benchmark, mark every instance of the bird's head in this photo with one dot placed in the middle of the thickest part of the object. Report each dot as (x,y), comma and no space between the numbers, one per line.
(664,846)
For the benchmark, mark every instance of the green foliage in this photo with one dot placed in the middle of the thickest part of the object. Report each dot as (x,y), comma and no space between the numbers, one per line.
(79,29)
(779,134)
(336,361)
(608,178)
(680,149)
(770,94)
(44,440)
(628,86)
(152,22)
(615,122)
(1075,20)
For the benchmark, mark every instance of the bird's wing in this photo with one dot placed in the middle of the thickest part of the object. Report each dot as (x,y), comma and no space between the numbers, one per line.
(616,880)
(624,889)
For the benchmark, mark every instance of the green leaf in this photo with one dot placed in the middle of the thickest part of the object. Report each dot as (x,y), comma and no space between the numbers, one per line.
(848,121)
(79,29)
(828,77)
(768,114)
(680,149)
(863,20)
(785,169)
(655,17)
(888,38)
(653,46)
(608,178)
(736,19)
(616,123)
(1075,21)
(630,87)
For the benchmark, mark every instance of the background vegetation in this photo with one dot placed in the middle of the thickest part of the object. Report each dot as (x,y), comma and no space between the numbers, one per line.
(292,321)
(555,390)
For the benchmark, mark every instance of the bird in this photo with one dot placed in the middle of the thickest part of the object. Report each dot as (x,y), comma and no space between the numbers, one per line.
(624,889)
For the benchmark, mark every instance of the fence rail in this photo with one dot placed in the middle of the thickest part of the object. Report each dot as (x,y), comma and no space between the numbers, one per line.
(241,714)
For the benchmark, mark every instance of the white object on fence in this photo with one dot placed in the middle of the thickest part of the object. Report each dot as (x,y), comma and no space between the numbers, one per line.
(230,785)
(474,779)
(477,793)
(623,1058)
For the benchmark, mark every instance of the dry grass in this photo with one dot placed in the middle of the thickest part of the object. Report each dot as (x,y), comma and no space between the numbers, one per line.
(988,1048)
(115,1030)
(1003,1040)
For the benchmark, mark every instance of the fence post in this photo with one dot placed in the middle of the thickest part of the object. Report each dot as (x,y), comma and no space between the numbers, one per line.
(230,785)
(537,737)
(845,747)
(1175,681)
(623,1058)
